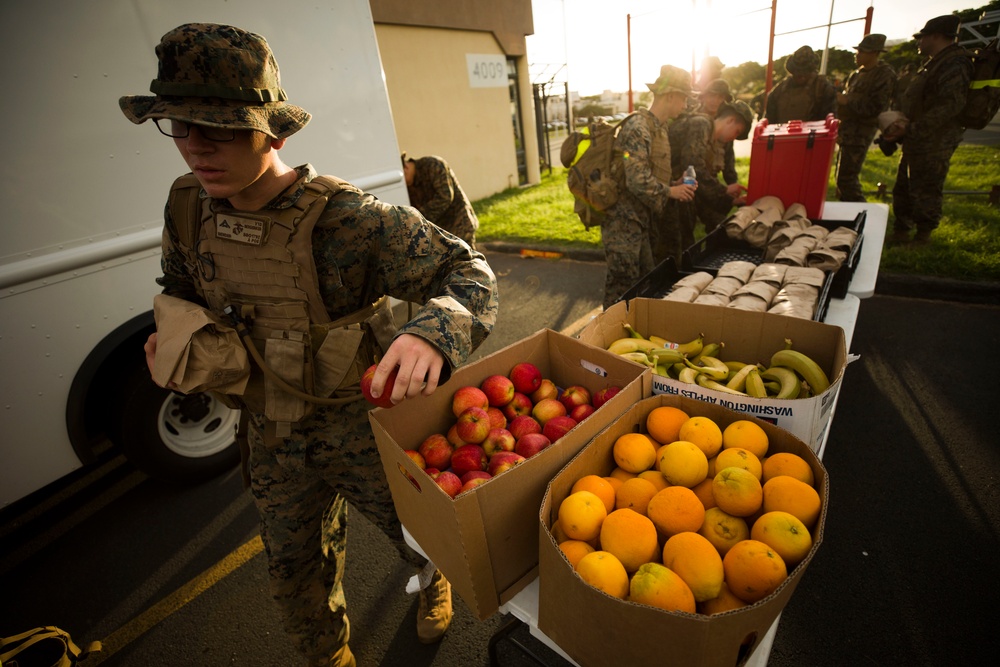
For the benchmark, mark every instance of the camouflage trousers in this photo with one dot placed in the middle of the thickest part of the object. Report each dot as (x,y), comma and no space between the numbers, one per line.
(849,162)
(668,233)
(302,488)
(627,252)
(917,194)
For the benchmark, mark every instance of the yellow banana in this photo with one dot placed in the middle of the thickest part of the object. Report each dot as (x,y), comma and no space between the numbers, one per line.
(788,379)
(662,342)
(665,356)
(639,358)
(693,347)
(713,367)
(708,350)
(632,332)
(688,376)
(807,369)
(755,384)
(660,370)
(709,383)
(772,387)
(739,380)
(625,345)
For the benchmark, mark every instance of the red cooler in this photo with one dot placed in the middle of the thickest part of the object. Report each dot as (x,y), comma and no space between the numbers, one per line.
(792,162)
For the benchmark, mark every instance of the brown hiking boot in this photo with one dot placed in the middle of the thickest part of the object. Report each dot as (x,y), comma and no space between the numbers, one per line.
(434,609)
(922,237)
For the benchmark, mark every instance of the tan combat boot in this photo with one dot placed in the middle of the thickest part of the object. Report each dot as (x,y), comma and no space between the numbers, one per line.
(434,609)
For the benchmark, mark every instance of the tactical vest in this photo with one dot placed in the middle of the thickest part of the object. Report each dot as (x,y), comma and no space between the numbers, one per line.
(797,102)
(261,263)
(659,151)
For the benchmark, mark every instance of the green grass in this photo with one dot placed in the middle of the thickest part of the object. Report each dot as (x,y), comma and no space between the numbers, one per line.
(966,246)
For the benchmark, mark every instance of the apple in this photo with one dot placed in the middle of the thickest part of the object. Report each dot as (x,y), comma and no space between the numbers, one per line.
(453,436)
(557,427)
(436,451)
(522,425)
(526,377)
(530,444)
(417,457)
(468,457)
(473,425)
(519,405)
(385,399)
(574,396)
(433,472)
(546,389)
(602,396)
(581,412)
(475,474)
(498,389)
(473,483)
(546,409)
(497,418)
(499,440)
(449,482)
(467,397)
(503,461)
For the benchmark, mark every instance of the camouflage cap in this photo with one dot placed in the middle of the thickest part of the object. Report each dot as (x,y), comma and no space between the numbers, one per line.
(718,87)
(672,80)
(219,76)
(803,61)
(741,110)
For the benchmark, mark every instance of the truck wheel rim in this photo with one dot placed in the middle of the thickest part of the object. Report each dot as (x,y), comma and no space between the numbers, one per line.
(199,437)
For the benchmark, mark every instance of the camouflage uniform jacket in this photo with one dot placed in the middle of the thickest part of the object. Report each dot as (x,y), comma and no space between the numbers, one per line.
(727,153)
(869,92)
(438,196)
(365,248)
(692,142)
(642,195)
(816,99)
(933,100)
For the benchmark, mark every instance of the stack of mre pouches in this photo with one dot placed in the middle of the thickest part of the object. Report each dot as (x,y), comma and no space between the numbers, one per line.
(771,287)
(788,237)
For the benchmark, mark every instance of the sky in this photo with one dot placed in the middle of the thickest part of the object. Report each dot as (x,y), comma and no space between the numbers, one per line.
(588,40)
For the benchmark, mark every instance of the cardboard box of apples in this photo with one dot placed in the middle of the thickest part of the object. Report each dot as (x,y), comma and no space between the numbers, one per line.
(481,532)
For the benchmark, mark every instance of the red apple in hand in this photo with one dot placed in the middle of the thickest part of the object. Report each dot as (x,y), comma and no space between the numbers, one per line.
(581,412)
(503,461)
(499,440)
(526,377)
(531,444)
(498,389)
(436,451)
(385,398)
(519,405)
(604,395)
(468,397)
(546,409)
(449,482)
(467,458)
(473,425)
(523,425)
(574,396)
(557,427)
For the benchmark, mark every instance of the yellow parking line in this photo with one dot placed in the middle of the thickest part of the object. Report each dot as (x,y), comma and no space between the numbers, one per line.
(125,635)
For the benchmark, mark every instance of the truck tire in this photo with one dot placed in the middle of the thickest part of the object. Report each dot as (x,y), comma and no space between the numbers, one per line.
(176,438)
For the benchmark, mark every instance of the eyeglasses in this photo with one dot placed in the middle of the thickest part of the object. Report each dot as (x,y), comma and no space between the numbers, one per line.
(179,129)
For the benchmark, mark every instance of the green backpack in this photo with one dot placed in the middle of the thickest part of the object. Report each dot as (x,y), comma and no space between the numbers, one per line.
(43,647)
(588,154)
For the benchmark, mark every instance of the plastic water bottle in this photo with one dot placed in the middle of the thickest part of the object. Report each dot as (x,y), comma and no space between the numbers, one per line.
(689,176)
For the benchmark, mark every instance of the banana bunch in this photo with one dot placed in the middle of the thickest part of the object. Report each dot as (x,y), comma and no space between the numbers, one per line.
(655,352)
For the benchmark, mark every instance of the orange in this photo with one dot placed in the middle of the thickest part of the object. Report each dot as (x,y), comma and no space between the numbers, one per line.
(753,570)
(786,463)
(599,486)
(664,423)
(581,515)
(703,432)
(631,538)
(723,530)
(737,491)
(574,550)
(558,533)
(683,463)
(747,435)
(615,482)
(674,510)
(703,490)
(634,452)
(656,477)
(741,458)
(634,494)
(622,474)
(793,496)
(696,561)
(785,534)
(657,586)
(726,601)
(603,571)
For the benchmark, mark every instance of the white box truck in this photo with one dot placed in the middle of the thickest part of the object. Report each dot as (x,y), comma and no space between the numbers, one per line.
(84,192)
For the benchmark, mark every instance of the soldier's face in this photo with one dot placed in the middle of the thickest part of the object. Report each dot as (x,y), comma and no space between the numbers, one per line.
(236,170)
(866,58)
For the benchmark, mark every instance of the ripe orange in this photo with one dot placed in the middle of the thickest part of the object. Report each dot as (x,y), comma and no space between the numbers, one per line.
(631,538)
(656,477)
(634,452)
(575,550)
(703,490)
(785,534)
(726,601)
(753,570)
(723,530)
(747,435)
(674,510)
(657,586)
(664,423)
(696,561)
(737,491)
(622,474)
(635,494)
(615,482)
(704,433)
(683,463)
(786,463)
(790,495)
(581,515)
(599,486)
(603,571)
(740,458)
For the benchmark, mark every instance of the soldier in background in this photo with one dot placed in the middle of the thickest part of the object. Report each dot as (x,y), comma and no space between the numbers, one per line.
(711,70)
(804,94)
(868,93)
(930,131)
(435,192)
(712,97)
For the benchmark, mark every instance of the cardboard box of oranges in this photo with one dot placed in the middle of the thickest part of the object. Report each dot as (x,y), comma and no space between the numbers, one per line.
(688,568)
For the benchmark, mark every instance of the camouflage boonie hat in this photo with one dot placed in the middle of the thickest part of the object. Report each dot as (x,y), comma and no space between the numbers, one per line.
(872,42)
(740,109)
(718,87)
(219,76)
(803,61)
(946,25)
(672,80)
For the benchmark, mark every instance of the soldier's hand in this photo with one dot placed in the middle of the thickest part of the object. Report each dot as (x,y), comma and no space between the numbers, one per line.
(419,368)
(683,192)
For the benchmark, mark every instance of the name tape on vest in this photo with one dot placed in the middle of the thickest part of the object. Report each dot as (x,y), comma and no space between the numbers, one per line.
(240,229)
